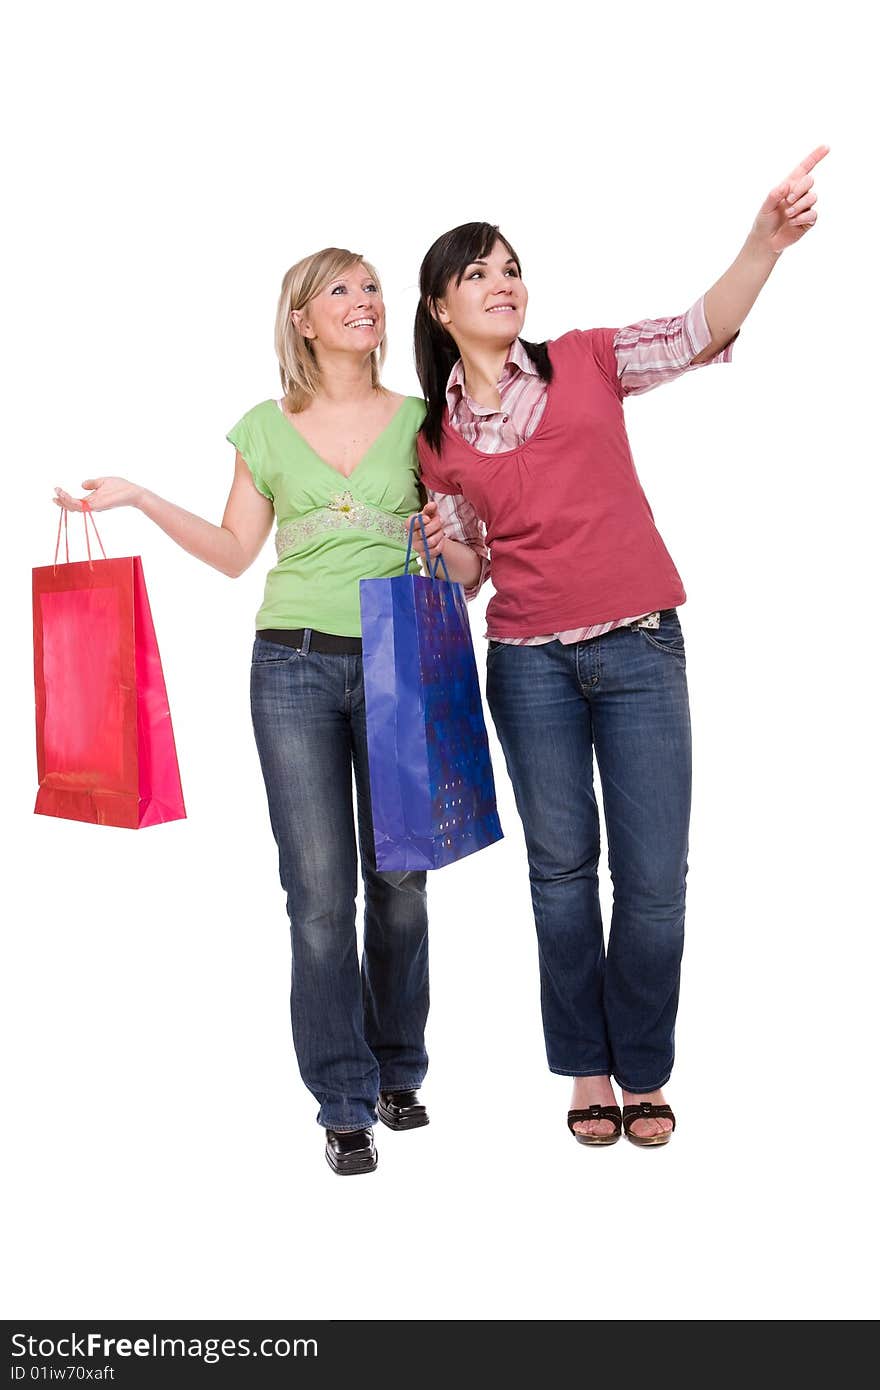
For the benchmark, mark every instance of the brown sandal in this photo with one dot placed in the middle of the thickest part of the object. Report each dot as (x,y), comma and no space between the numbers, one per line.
(596,1112)
(646,1110)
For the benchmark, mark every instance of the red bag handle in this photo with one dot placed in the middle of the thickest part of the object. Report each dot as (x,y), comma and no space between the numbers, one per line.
(87,517)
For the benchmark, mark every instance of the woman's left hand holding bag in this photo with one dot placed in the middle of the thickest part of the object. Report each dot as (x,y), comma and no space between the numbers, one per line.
(433,530)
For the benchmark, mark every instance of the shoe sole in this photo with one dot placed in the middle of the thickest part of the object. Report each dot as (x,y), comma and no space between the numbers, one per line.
(352,1170)
(596,1142)
(417,1123)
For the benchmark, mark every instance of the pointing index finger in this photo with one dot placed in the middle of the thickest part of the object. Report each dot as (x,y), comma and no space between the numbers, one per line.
(811,160)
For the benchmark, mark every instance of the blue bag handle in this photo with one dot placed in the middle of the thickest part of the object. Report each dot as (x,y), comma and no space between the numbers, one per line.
(440,561)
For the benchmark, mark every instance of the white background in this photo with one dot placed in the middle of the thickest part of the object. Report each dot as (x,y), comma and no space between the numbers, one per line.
(165,166)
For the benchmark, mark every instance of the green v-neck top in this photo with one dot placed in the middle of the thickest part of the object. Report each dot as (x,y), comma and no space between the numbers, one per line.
(332,531)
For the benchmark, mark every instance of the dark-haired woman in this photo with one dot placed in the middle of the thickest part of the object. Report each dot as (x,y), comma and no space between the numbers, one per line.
(525,456)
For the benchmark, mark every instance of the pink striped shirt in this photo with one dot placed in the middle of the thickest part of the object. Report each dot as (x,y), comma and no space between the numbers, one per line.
(648,352)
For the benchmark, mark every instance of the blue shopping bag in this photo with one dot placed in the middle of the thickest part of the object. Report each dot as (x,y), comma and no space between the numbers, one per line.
(431,780)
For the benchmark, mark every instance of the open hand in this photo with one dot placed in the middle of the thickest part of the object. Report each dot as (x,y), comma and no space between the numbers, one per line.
(104,493)
(789,210)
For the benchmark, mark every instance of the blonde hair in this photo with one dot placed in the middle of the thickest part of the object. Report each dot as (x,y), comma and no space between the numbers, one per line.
(300,373)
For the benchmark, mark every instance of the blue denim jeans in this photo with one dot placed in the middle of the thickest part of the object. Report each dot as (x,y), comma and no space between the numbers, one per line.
(623,695)
(358,1027)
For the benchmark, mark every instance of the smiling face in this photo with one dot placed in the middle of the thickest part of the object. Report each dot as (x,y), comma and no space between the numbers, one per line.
(347,316)
(487,306)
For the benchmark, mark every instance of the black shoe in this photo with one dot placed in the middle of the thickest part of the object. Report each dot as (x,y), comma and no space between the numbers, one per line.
(401,1110)
(351,1151)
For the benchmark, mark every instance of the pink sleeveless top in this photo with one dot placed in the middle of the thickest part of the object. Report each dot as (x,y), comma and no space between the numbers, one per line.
(571,534)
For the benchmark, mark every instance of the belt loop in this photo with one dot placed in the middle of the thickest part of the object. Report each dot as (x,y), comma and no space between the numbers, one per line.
(307,641)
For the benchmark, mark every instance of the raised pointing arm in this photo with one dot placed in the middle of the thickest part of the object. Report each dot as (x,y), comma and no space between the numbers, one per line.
(787,214)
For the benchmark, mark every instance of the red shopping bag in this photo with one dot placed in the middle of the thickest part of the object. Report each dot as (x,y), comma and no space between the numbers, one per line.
(105,746)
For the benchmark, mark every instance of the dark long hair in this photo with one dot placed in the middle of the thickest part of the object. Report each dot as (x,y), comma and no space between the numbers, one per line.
(435,349)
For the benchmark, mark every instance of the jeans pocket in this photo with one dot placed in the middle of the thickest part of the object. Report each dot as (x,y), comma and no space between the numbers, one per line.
(272,653)
(668,637)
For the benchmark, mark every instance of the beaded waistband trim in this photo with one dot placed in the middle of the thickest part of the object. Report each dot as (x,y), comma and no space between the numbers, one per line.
(343,512)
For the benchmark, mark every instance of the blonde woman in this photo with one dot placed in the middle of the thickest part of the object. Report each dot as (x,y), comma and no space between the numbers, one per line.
(333,462)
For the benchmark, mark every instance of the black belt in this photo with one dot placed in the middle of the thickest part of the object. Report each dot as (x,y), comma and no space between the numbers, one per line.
(317,641)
